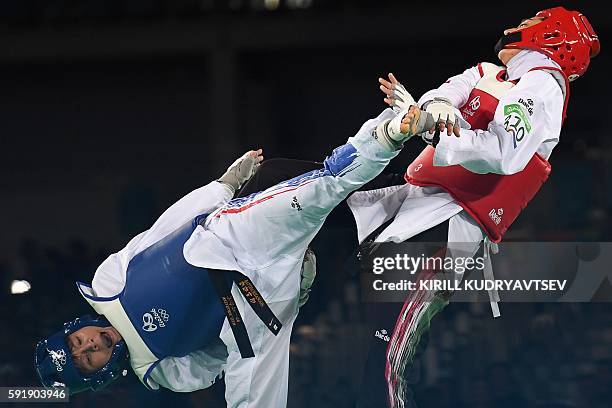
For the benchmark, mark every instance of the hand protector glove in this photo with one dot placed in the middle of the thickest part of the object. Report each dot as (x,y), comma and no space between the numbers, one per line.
(400,98)
(443,112)
(441,109)
(241,170)
(308,274)
(413,121)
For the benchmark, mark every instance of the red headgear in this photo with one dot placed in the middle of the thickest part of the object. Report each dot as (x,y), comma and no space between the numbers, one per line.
(565,36)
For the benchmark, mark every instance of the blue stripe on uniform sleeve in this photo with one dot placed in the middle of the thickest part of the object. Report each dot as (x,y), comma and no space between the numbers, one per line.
(340,159)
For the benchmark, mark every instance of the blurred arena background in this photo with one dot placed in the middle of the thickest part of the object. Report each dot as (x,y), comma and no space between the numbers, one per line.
(112,110)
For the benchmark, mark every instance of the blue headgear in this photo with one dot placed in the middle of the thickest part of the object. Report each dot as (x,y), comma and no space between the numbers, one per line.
(55,367)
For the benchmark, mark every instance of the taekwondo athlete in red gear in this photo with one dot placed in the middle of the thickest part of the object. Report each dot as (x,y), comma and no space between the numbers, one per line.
(500,126)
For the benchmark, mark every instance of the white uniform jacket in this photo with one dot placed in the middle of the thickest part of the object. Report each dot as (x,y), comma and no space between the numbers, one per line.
(416,209)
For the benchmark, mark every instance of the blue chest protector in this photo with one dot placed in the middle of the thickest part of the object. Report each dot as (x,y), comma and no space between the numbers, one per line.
(172,304)
(169,308)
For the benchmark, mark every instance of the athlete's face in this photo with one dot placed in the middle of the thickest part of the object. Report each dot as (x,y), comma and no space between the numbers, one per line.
(507,54)
(92,347)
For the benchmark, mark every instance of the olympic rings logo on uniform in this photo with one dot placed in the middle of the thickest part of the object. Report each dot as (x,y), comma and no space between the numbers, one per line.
(161,316)
(164,315)
(58,358)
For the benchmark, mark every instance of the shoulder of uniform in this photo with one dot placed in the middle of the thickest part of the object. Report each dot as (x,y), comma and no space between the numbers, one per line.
(487,68)
(543,77)
(549,76)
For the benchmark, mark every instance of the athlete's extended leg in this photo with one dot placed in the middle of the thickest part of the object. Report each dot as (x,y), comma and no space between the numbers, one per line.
(269,232)
(283,219)
(274,171)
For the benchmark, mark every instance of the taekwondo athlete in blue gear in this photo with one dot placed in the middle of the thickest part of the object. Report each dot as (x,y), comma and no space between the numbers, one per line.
(54,364)
(158,287)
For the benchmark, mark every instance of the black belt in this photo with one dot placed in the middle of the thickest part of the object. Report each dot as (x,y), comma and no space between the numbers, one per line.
(222,281)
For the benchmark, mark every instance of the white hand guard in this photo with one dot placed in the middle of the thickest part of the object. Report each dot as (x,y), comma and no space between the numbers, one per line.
(441,109)
(389,134)
(401,98)
(308,274)
(443,112)
(240,171)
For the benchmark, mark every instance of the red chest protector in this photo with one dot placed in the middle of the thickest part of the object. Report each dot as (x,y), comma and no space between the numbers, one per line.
(493,200)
